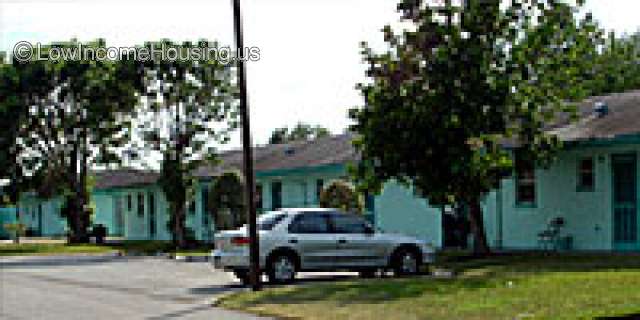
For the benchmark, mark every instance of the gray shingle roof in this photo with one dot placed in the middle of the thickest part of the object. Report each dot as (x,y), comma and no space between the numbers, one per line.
(622,118)
(336,149)
(328,150)
(121,178)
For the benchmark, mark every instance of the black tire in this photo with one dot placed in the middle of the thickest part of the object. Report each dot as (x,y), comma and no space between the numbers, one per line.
(367,273)
(405,262)
(282,268)
(243,276)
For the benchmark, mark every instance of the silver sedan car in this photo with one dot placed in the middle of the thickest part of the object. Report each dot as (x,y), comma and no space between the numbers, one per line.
(318,239)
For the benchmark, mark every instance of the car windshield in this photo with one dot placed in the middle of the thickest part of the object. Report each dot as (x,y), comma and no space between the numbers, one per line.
(269,220)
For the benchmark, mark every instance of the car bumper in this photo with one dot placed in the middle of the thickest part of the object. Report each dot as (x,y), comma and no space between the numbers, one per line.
(230,260)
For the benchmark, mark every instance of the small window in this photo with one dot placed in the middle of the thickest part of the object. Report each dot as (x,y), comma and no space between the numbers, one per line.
(276,195)
(586,175)
(525,183)
(141,204)
(309,223)
(258,197)
(347,223)
(319,186)
(129,202)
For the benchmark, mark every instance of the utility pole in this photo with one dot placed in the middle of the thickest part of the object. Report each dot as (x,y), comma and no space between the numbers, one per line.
(254,275)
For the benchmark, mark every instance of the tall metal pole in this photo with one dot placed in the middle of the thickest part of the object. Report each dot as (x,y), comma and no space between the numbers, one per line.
(247,153)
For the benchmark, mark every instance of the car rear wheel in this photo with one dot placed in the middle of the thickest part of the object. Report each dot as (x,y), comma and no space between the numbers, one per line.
(406,262)
(367,273)
(281,269)
(243,276)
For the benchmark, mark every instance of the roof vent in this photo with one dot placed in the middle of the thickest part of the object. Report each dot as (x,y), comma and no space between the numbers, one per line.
(600,109)
(289,151)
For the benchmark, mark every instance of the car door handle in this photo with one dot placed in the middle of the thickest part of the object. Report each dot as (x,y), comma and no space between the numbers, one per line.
(341,241)
(293,240)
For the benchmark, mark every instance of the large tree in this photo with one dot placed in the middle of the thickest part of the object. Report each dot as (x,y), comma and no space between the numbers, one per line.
(300,131)
(11,115)
(191,110)
(617,67)
(460,82)
(75,116)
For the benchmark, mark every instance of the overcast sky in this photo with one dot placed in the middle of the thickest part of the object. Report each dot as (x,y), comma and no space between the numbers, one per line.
(310,61)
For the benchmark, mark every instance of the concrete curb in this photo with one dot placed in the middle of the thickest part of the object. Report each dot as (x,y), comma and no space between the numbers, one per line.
(217,299)
(8,260)
(183,258)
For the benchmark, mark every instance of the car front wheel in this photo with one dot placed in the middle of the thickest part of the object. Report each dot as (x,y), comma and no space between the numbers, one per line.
(281,269)
(406,262)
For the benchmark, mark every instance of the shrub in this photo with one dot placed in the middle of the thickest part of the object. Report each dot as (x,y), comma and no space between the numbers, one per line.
(340,194)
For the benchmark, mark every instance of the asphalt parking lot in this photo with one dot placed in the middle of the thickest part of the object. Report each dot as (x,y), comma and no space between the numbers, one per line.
(113,288)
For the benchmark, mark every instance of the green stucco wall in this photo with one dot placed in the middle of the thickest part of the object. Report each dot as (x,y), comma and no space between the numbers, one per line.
(399,210)
(588,214)
(7,215)
(52,225)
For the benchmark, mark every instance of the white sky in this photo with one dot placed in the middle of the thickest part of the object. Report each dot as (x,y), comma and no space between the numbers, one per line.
(310,58)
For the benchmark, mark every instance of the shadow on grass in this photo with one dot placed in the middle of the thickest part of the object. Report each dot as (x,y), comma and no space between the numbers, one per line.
(217,289)
(472,274)
(624,317)
(366,291)
(535,262)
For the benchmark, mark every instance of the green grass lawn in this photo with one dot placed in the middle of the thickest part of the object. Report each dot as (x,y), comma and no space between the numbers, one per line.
(128,247)
(29,249)
(512,287)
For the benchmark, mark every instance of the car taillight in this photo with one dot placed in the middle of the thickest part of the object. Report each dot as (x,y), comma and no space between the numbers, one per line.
(240,241)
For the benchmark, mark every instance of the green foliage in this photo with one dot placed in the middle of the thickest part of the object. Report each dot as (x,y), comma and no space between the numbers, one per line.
(617,67)
(301,131)
(226,201)
(446,96)
(198,101)
(68,116)
(340,194)
(16,230)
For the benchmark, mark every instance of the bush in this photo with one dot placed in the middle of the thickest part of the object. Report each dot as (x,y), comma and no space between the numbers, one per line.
(99,231)
(340,194)
(16,230)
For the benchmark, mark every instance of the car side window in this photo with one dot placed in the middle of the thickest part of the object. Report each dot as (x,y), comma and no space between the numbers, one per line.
(347,223)
(309,223)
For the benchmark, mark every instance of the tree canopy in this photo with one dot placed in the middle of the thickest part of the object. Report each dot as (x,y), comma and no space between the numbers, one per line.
(458,83)
(68,116)
(300,131)
(198,102)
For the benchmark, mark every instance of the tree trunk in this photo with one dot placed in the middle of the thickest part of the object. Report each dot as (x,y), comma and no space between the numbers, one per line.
(179,227)
(480,246)
(85,213)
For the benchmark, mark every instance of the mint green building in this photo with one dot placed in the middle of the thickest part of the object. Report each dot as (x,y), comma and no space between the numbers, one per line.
(592,187)
(132,206)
